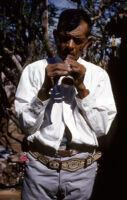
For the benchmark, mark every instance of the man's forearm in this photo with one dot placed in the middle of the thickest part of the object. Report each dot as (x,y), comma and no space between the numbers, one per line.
(43,94)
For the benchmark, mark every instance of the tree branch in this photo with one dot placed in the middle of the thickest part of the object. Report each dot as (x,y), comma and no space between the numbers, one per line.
(44,24)
(14,59)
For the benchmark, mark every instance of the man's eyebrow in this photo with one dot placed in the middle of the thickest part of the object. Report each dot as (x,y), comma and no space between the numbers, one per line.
(78,37)
(66,34)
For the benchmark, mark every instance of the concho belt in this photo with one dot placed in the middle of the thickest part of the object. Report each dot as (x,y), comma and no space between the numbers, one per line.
(71,165)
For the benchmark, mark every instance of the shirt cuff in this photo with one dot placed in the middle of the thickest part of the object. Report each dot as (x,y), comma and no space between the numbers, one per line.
(38,102)
(86,102)
(37,105)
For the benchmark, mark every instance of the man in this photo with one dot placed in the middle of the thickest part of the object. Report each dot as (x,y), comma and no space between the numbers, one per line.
(64,104)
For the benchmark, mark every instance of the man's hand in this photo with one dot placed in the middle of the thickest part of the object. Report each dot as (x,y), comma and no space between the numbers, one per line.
(52,74)
(78,73)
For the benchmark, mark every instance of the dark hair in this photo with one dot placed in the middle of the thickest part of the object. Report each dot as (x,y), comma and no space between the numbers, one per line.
(71,18)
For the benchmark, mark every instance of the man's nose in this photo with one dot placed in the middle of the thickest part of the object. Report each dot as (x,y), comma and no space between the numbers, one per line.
(71,44)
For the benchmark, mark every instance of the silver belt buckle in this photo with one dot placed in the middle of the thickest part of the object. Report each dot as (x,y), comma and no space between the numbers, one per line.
(54,164)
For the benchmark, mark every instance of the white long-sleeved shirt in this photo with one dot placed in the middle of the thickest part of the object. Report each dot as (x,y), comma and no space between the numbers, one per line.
(86,118)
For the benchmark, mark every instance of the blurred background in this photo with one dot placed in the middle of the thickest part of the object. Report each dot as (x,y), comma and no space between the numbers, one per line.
(26,36)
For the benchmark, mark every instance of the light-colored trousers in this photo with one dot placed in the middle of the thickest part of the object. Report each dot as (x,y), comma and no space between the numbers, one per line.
(41,183)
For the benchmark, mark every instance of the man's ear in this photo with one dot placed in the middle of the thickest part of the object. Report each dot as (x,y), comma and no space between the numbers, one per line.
(88,43)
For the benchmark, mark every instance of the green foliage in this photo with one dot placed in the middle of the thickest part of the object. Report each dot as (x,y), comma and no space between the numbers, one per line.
(21,26)
(101,12)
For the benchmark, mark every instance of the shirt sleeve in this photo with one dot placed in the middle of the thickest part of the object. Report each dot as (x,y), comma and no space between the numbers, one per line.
(98,108)
(29,108)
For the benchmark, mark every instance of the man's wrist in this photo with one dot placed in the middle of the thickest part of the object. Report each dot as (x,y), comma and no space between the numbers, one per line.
(43,94)
(82,91)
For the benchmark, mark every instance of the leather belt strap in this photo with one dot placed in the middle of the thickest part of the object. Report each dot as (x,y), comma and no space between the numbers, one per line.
(65,153)
(70,165)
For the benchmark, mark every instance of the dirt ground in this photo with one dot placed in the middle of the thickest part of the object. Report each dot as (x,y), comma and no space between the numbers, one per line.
(10,194)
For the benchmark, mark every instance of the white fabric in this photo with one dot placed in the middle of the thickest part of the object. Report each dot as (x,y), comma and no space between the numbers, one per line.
(86,118)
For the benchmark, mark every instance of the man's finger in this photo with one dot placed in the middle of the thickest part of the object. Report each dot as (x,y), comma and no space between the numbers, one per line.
(59,66)
(57,73)
(52,80)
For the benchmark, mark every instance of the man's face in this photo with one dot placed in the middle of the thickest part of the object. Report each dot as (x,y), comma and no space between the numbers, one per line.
(72,43)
